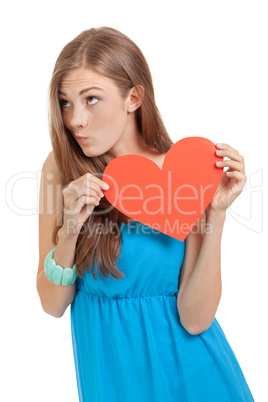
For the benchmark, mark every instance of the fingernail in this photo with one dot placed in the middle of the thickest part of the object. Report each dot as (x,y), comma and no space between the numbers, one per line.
(106,186)
(219,144)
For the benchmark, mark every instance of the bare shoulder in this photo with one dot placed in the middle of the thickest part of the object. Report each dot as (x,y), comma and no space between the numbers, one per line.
(50,166)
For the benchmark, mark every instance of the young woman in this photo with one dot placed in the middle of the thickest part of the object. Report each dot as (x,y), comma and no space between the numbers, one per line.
(143,303)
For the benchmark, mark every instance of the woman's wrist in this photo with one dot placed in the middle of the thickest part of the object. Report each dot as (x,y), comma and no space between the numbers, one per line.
(59,275)
(67,233)
(213,214)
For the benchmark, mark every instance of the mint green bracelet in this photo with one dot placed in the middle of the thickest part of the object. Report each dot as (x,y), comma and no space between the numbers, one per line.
(57,274)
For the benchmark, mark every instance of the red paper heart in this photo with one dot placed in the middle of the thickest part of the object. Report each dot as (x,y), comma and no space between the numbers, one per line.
(170,200)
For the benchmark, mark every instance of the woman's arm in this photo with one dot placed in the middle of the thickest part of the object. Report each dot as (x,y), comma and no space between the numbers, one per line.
(201,296)
(54,299)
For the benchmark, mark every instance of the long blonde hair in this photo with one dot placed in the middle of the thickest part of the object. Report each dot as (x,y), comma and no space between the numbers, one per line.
(112,54)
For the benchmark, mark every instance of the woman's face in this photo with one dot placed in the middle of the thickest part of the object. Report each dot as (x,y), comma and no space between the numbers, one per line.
(98,114)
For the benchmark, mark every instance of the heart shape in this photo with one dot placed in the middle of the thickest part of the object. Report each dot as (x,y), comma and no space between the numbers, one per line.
(170,200)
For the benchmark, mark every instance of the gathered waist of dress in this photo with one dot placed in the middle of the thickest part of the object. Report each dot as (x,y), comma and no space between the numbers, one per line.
(93,294)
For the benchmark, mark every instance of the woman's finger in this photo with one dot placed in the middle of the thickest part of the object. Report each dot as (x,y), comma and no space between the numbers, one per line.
(232,164)
(230,153)
(236,174)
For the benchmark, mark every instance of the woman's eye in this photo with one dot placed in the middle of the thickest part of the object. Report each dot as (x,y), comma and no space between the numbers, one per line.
(65,104)
(62,103)
(89,98)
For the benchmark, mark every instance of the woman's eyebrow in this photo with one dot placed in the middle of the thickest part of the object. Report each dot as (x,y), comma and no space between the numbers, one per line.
(81,92)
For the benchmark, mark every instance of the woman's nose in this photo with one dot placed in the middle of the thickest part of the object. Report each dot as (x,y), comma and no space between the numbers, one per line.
(79,117)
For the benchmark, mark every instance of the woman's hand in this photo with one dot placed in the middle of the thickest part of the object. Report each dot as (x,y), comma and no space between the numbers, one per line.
(81,196)
(233,180)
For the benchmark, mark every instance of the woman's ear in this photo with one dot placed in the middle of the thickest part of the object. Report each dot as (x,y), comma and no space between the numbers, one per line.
(135,98)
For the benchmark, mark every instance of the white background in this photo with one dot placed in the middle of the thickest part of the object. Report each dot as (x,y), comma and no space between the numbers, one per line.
(209,65)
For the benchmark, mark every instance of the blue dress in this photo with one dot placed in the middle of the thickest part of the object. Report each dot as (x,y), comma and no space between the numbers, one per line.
(128,342)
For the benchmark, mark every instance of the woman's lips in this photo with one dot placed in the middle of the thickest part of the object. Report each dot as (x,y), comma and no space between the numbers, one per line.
(81,139)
